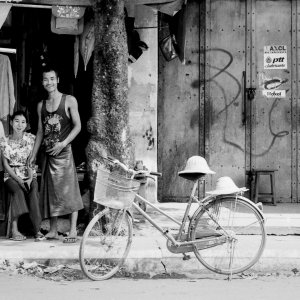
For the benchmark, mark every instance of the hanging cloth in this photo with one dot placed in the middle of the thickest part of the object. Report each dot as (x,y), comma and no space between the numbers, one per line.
(4,10)
(7,93)
(87,43)
(170,8)
(76,55)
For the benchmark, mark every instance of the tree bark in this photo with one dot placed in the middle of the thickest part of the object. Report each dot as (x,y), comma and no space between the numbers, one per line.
(108,125)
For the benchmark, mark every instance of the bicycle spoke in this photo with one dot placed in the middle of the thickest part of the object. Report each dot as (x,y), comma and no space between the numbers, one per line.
(243,231)
(105,244)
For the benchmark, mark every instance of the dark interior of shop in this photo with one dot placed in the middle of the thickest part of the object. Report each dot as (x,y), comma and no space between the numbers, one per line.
(28,31)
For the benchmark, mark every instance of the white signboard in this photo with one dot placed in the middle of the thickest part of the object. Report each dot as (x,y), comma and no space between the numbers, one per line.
(275,57)
(274,93)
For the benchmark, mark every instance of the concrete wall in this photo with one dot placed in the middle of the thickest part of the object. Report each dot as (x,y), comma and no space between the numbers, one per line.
(142,76)
(179,109)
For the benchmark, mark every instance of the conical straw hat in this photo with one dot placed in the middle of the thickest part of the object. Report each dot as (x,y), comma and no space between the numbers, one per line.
(225,185)
(196,164)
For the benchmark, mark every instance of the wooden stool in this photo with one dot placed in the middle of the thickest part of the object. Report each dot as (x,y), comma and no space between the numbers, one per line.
(272,194)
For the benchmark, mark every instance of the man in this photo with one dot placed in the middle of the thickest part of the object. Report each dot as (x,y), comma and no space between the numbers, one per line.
(58,125)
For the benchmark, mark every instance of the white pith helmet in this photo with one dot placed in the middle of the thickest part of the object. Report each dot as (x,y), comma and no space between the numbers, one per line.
(196,164)
(225,185)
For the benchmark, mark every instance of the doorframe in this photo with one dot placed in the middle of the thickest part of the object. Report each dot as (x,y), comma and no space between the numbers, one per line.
(295,184)
(250,82)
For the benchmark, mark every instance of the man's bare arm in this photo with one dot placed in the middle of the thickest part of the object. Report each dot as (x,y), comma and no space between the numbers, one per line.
(39,137)
(74,115)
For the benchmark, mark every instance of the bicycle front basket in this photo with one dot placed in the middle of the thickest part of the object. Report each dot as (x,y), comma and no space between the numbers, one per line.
(114,191)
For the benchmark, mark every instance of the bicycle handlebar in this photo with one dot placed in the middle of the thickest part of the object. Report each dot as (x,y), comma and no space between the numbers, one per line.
(158,174)
(134,172)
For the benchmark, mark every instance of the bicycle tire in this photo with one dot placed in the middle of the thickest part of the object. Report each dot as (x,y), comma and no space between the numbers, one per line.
(247,236)
(103,252)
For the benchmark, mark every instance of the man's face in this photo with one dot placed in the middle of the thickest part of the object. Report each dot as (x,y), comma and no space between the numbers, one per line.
(50,81)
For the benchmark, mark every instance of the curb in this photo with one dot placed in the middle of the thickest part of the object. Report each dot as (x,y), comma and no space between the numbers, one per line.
(150,256)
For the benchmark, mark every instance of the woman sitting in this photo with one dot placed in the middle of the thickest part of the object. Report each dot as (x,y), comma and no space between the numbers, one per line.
(20,180)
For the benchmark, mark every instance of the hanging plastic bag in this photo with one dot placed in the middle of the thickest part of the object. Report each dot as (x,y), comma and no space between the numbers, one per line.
(167,48)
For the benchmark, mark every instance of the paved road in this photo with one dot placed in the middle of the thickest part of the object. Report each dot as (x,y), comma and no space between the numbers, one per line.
(14,287)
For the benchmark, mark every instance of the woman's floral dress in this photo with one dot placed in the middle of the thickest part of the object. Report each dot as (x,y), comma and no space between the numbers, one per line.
(17,153)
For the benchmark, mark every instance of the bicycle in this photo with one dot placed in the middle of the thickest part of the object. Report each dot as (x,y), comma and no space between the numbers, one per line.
(226,232)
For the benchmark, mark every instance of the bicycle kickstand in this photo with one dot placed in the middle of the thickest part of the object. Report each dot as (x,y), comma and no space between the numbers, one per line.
(186,257)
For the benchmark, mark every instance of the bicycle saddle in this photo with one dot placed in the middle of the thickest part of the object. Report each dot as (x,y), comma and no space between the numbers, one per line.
(192,176)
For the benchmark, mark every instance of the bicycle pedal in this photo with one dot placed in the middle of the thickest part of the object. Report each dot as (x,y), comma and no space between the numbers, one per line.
(186,257)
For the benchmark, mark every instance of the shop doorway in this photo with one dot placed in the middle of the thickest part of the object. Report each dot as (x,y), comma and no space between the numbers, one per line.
(29,33)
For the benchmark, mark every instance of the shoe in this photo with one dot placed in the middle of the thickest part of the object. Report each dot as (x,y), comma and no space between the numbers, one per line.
(18,238)
(70,240)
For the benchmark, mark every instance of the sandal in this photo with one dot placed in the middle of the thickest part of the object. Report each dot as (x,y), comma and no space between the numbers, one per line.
(70,240)
(18,238)
(39,237)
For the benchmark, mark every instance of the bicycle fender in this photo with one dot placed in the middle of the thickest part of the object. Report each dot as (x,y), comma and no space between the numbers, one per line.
(252,204)
(224,196)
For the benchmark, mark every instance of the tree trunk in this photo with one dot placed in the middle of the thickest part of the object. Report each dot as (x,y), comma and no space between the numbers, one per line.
(108,125)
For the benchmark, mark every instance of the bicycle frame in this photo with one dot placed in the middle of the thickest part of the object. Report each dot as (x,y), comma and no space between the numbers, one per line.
(176,242)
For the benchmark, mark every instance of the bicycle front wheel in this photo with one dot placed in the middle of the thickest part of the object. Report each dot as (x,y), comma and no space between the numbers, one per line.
(238,228)
(105,244)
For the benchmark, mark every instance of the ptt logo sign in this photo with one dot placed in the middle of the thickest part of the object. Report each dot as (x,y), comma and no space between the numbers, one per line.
(275,57)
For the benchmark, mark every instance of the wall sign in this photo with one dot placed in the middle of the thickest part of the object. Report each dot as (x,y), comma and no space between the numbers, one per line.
(275,57)
(274,93)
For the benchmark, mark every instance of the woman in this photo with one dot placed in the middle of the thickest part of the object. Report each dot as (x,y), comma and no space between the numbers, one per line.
(20,180)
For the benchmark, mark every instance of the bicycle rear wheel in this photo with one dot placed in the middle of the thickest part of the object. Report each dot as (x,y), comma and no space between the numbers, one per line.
(105,244)
(240,229)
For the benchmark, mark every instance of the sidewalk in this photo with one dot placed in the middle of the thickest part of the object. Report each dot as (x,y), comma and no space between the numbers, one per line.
(149,253)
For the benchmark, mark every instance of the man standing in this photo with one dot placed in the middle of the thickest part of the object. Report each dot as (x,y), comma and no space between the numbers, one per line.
(58,124)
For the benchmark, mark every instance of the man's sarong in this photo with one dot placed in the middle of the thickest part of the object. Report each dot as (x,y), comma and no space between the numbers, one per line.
(60,194)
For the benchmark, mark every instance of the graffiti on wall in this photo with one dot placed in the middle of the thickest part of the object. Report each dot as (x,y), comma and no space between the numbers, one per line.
(148,135)
(236,96)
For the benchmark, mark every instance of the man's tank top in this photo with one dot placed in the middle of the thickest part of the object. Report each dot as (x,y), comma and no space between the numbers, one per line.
(56,125)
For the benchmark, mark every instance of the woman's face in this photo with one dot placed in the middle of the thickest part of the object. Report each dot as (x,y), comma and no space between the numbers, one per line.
(19,124)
